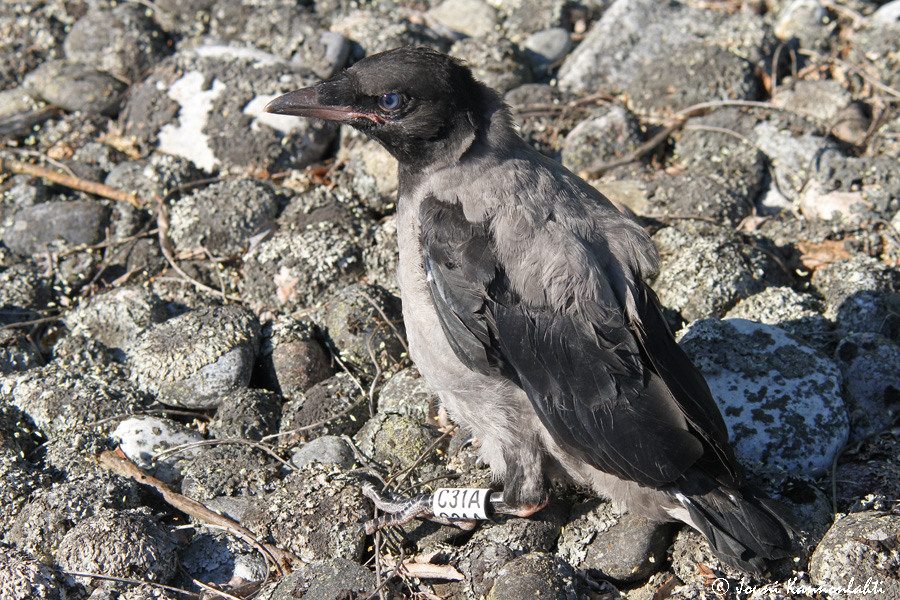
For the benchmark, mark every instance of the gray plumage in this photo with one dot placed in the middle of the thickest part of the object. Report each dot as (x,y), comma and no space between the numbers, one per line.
(527,313)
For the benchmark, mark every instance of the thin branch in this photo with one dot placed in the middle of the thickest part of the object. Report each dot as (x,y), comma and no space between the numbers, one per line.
(128,580)
(75,183)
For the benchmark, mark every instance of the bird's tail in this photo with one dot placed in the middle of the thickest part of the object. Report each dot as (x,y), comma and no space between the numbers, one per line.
(744,528)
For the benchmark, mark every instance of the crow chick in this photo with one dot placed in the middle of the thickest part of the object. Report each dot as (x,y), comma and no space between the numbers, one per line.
(526,310)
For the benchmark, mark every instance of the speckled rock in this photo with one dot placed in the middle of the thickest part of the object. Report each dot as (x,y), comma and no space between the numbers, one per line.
(623,547)
(364,322)
(858,558)
(819,100)
(154,176)
(792,156)
(315,411)
(860,295)
(192,359)
(34,228)
(248,414)
(690,549)
(17,353)
(122,40)
(380,258)
(230,470)
(52,512)
(317,248)
(378,32)
(495,61)
(372,172)
(30,32)
(116,318)
(222,216)
(798,314)
(58,399)
(805,21)
(706,271)
(870,371)
(316,514)
(291,359)
(215,557)
(407,394)
(607,135)
(326,450)
(22,576)
(396,441)
(23,289)
(206,104)
(19,477)
(119,544)
(141,437)
(469,17)
(75,87)
(535,575)
(781,399)
(326,578)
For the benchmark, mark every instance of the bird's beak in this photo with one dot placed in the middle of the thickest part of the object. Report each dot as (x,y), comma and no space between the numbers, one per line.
(306,103)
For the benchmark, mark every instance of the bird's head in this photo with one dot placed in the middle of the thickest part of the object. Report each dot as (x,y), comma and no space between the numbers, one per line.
(420,104)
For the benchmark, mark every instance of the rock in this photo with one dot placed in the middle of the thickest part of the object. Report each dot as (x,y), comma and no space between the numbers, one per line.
(705,274)
(319,409)
(19,477)
(23,290)
(60,399)
(22,576)
(870,371)
(119,544)
(535,575)
(31,32)
(17,354)
(364,322)
(142,437)
(374,32)
(247,414)
(396,441)
(792,156)
(206,104)
(611,133)
(380,258)
(623,547)
(291,359)
(316,514)
(154,176)
(407,394)
(324,55)
(372,172)
(806,21)
(121,40)
(325,579)
(215,557)
(34,229)
(222,217)
(327,450)
(495,61)
(819,100)
(192,359)
(470,17)
(231,470)
(800,315)
(860,295)
(887,14)
(780,398)
(547,48)
(75,87)
(858,557)
(116,318)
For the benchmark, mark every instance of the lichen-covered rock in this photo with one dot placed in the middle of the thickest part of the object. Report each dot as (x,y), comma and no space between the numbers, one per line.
(396,441)
(780,399)
(537,575)
(407,394)
(859,557)
(248,414)
(798,314)
(119,544)
(326,578)
(870,369)
(291,358)
(192,359)
(317,513)
(603,137)
(326,450)
(325,408)
(230,470)
(495,61)
(34,228)
(22,576)
(217,558)
(142,437)
(75,87)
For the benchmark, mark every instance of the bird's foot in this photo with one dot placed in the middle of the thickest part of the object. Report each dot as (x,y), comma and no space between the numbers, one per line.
(449,506)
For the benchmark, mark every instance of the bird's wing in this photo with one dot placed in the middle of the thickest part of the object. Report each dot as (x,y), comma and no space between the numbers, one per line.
(587,371)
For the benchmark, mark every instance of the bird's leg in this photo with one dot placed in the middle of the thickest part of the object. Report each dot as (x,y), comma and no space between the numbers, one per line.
(449,506)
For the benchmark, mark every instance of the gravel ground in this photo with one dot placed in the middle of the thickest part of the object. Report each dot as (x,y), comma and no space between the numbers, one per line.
(210,289)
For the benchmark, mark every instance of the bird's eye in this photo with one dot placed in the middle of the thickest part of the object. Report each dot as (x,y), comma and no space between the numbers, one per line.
(390,101)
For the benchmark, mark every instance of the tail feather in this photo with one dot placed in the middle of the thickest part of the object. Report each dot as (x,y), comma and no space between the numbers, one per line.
(744,529)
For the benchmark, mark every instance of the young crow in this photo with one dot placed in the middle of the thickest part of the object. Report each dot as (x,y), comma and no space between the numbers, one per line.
(527,313)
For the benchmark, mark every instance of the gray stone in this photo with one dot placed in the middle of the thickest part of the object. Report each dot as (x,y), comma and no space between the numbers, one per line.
(407,394)
(119,544)
(887,14)
(325,579)
(143,436)
(609,134)
(22,576)
(31,32)
(222,217)
(35,228)
(291,358)
(192,359)
(365,324)
(317,514)
(804,20)
(23,290)
(375,32)
(858,557)
(324,56)
(623,547)
(870,370)
(470,17)
(495,61)
(215,557)
(75,87)
(372,172)
(121,40)
(231,470)
(707,270)
(154,176)
(792,156)
(326,450)
(535,575)
(396,441)
(547,48)
(333,406)
(247,414)
(819,100)
(780,398)
(380,257)
(798,314)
